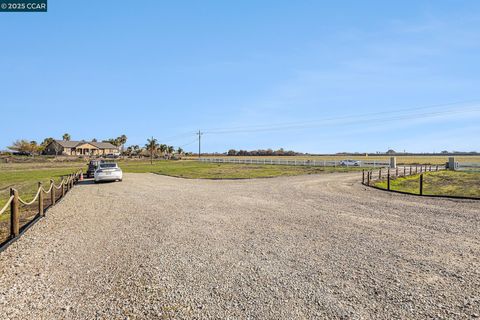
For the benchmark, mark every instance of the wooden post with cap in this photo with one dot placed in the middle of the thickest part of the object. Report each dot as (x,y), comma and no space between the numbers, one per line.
(14,214)
(421,184)
(52,192)
(40,200)
(388,179)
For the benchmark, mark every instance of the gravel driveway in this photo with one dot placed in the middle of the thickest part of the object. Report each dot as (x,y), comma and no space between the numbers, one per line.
(319,246)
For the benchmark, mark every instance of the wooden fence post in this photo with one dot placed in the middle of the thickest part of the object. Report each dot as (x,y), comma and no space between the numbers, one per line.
(14,214)
(363,176)
(380,174)
(52,192)
(436,169)
(63,187)
(404,171)
(388,179)
(40,200)
(368,177)
(421,184)
(396,173)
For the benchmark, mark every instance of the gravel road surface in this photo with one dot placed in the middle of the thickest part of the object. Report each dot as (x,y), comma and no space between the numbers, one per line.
(307,247)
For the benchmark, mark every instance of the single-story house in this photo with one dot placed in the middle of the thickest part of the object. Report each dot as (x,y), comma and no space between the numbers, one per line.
(78,148)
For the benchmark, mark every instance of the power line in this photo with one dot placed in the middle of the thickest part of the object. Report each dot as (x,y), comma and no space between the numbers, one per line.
(340,120)
(292,124)
(179,136)
(316,123)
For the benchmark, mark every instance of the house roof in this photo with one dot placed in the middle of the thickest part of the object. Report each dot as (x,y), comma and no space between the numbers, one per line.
(103,145)
(67,144)
(73,144)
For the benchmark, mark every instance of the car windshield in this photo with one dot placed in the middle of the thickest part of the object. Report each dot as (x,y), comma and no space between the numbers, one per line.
(108,165)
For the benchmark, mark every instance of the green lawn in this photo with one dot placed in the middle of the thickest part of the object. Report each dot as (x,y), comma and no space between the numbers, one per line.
(26,180)
(449,183)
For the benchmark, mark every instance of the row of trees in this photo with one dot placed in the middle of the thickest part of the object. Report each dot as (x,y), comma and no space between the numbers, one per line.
(154,148)
(267,152)
(118,141)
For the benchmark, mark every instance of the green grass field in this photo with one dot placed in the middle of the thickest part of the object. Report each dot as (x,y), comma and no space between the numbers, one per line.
(447,183)
(25,178)
(202,170)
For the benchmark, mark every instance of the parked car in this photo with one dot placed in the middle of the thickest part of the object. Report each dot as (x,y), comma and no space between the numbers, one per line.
(350,163)
(108,171)
(92,166)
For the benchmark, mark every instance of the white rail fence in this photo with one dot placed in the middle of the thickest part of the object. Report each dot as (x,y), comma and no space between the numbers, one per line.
(316,163)
(468,166)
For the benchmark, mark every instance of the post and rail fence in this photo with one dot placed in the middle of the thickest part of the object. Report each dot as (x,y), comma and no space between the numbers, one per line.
(301,162)
(43,199)
(408,170)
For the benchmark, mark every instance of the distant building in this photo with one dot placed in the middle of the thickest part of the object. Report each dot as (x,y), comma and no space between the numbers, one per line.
(80,148)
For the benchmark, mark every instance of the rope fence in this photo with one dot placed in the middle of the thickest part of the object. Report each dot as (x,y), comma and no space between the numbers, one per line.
(42,200)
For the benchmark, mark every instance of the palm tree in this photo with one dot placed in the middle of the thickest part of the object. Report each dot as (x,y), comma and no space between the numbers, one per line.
(170,151)
(179,150)
(152,146)
(122,140)
(162,148)
(66,137)
(136,149)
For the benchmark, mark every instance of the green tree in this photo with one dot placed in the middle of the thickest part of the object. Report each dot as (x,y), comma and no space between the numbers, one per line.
(151,146)
(136,149)
(66,137)
(162,148)
(170,151)
(30,147)
(122,140)
(47,141)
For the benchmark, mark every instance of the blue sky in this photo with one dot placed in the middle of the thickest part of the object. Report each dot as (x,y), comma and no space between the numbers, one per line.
(99,69)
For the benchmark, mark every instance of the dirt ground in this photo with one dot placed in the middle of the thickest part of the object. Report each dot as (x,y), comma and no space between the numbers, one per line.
(306,247)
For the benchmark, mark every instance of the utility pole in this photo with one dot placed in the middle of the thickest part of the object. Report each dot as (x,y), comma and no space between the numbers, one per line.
(199,143)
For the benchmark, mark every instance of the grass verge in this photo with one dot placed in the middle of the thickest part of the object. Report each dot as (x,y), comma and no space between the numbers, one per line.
(443,183)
